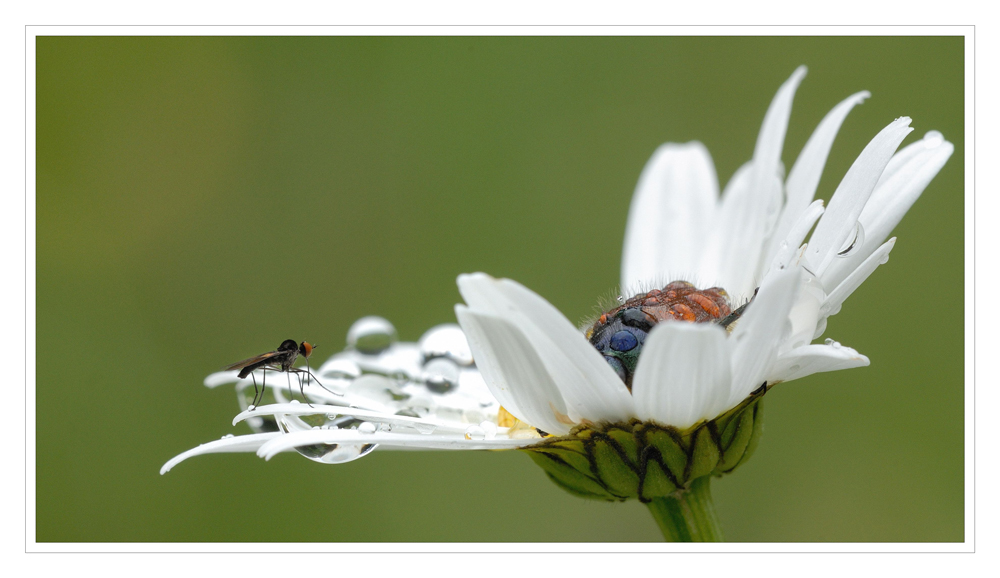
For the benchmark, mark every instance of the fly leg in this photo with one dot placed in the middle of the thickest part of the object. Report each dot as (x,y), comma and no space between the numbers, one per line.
(291,395)
(301,387)
(253,405)
(263,387)
(313,377)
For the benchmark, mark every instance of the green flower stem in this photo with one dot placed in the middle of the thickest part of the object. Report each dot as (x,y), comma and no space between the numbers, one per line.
(689,517)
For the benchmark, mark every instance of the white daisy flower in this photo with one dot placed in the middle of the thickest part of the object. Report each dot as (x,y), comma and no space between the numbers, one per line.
(519,374)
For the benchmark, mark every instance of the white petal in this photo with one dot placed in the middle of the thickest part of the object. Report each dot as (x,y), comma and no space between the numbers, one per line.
(757,336)
(735,255)
(717,253)
(902,185)
(737,244)
(674,203)
(221,378)
(763,204)
(792,242)
(591,389)
(849,199)
(513,370)
(837,297)
(800,187)
(381,417)
(904,179)
(806,313)
(767,153)
(247,443)
(385,440)
(811,359)
(683,374)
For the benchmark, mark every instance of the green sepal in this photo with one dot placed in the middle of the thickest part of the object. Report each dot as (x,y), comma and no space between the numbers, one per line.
(615,472)
(705,454)
(735,439)
(647,460)
(570,479)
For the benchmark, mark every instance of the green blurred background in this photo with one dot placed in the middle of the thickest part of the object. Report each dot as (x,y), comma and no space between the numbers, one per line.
(201,199)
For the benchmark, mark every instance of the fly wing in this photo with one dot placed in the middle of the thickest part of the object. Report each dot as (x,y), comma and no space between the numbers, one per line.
(263,357)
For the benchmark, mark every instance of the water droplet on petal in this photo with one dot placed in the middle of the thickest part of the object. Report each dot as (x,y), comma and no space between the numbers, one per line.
(490,428)
(251,407)
(474,432)
(828,341)
(854,245)
(440,375)
(367,427)
(424,428)
(227,436)
(294,402)
(933,139)
(371,335)
(335,453)
(373,387)
(447,341)
(340,368)
(620,299)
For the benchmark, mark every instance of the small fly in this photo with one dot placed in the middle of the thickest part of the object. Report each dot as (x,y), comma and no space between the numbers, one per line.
(280,360)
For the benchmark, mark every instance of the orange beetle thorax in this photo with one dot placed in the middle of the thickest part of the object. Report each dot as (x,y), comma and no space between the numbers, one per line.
(620,333)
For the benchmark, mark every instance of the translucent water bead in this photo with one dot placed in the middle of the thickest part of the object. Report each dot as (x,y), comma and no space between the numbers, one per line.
(371,335)
(447,341)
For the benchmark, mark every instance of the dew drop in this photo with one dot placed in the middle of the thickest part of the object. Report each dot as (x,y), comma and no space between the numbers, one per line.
(884,259)
(371,335)
(424,428)
(474,432)
(251,407)
(335,453)
(341,369)
(828,341)
(857,240)
(227,436)
(367,427)
(294,402)
(447,341)
(374,388)
(440,375)
(490,428)
(933,139)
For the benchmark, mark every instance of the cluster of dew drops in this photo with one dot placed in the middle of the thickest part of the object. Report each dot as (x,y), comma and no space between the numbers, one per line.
(434,379)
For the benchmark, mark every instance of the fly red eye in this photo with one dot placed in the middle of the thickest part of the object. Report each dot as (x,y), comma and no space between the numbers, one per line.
(307,348)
